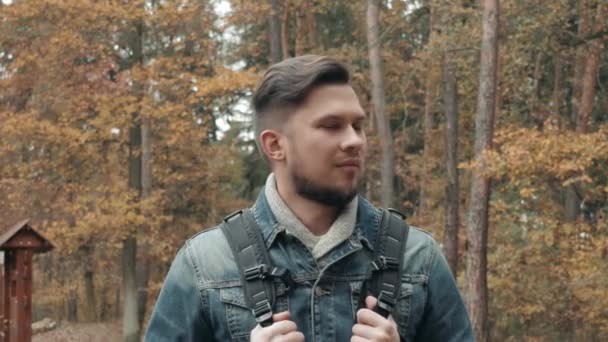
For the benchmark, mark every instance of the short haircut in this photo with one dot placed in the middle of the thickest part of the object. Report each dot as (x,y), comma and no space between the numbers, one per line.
(287,84)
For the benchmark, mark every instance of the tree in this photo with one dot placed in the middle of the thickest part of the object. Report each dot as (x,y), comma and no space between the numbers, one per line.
(476,297)
(275,33)
(382,121)
(450,102)
(588,61)
(430,93)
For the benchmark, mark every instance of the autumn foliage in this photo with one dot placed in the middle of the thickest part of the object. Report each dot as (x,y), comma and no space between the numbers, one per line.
(75,76)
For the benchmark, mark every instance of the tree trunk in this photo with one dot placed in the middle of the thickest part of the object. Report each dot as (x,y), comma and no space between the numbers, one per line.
(592,63)
(104,314)
(579,61)
(311,24)
(301,31)
(117,301)
(72,305)
(557,97)
(429,110)
(285,30)
(89,283)
(143,271)
(585,104)
(130,321)
(384,129)
(275,33)
(533,109)
(131,328)
(477,228)
(450,101)
(61,310)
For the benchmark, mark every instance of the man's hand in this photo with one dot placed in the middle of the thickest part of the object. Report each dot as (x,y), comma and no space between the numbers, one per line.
(281,330)
(373,327)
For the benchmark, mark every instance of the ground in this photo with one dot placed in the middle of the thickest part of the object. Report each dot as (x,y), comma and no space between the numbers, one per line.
(90,332)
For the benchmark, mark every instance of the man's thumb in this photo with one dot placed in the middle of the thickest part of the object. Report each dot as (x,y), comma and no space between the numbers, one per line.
(370,302)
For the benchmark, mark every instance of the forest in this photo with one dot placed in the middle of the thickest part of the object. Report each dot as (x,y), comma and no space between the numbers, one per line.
(126,128)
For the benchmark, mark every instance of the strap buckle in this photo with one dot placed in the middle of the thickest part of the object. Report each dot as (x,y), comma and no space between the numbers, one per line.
(385,263)
(284,275)
(256,272)
(263,313)
(232,215)
(386,301)
(397,213)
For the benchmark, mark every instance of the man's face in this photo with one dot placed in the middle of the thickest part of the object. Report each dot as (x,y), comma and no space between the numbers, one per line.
(326,144)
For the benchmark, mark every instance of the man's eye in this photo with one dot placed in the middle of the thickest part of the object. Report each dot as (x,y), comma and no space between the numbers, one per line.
(331,126)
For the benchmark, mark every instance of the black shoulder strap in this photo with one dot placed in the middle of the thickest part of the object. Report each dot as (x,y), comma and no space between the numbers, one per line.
(253,261)
(389,248)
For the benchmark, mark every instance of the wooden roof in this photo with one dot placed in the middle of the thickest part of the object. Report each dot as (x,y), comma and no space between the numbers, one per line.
(7,233)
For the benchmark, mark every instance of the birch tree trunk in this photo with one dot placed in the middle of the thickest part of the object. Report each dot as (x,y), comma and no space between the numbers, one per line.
(384,130)
(477,227)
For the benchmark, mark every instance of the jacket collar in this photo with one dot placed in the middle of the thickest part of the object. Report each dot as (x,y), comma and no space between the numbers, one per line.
(366,227)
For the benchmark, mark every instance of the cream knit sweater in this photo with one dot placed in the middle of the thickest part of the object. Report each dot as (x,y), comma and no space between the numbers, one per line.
(340,230)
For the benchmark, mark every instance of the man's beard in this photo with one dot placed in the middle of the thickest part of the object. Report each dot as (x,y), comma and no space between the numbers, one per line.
(325,195)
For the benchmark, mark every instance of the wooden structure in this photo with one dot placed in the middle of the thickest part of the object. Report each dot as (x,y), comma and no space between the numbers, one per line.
(19,243)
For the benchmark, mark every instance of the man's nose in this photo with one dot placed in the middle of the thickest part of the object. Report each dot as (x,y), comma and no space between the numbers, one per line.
(353,140)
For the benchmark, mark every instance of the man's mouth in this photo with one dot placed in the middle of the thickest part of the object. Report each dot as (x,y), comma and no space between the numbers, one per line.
(350,163)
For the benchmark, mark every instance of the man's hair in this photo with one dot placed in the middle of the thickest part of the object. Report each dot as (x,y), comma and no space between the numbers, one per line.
(287,84)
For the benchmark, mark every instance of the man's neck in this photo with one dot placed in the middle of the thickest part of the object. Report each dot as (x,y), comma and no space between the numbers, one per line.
(317,217)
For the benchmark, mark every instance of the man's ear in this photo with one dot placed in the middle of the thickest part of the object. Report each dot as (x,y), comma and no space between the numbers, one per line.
(272,145)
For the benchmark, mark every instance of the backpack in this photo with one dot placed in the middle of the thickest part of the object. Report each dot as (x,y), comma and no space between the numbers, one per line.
(258,273)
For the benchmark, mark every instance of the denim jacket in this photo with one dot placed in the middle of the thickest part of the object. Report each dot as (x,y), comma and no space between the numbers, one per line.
(202,299)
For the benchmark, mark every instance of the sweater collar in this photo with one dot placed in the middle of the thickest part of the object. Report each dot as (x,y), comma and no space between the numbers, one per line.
(366,224)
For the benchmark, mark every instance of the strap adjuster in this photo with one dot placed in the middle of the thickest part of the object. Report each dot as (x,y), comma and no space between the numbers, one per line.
(385,263)
(263,313)
(256,272)
(386,301)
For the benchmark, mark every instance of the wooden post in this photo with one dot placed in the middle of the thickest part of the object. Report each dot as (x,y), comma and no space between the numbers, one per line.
(19,244)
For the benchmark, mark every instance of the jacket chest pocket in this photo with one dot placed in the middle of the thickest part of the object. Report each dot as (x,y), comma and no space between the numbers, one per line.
(239,318)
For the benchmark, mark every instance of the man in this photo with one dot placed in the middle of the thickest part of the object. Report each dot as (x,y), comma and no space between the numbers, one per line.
(309,126)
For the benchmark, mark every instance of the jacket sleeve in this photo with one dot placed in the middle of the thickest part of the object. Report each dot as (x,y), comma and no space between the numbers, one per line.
(445,317)
(180,311)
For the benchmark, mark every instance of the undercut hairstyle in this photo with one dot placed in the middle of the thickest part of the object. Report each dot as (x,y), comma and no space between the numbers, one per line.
(287,84)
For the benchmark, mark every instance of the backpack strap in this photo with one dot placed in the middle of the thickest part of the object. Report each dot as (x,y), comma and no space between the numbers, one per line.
(386,270)
(254,264)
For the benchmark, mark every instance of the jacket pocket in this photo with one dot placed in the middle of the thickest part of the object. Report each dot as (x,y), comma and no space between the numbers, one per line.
(239,318)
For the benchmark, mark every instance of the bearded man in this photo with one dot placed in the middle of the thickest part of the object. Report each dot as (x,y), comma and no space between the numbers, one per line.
(315,227)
